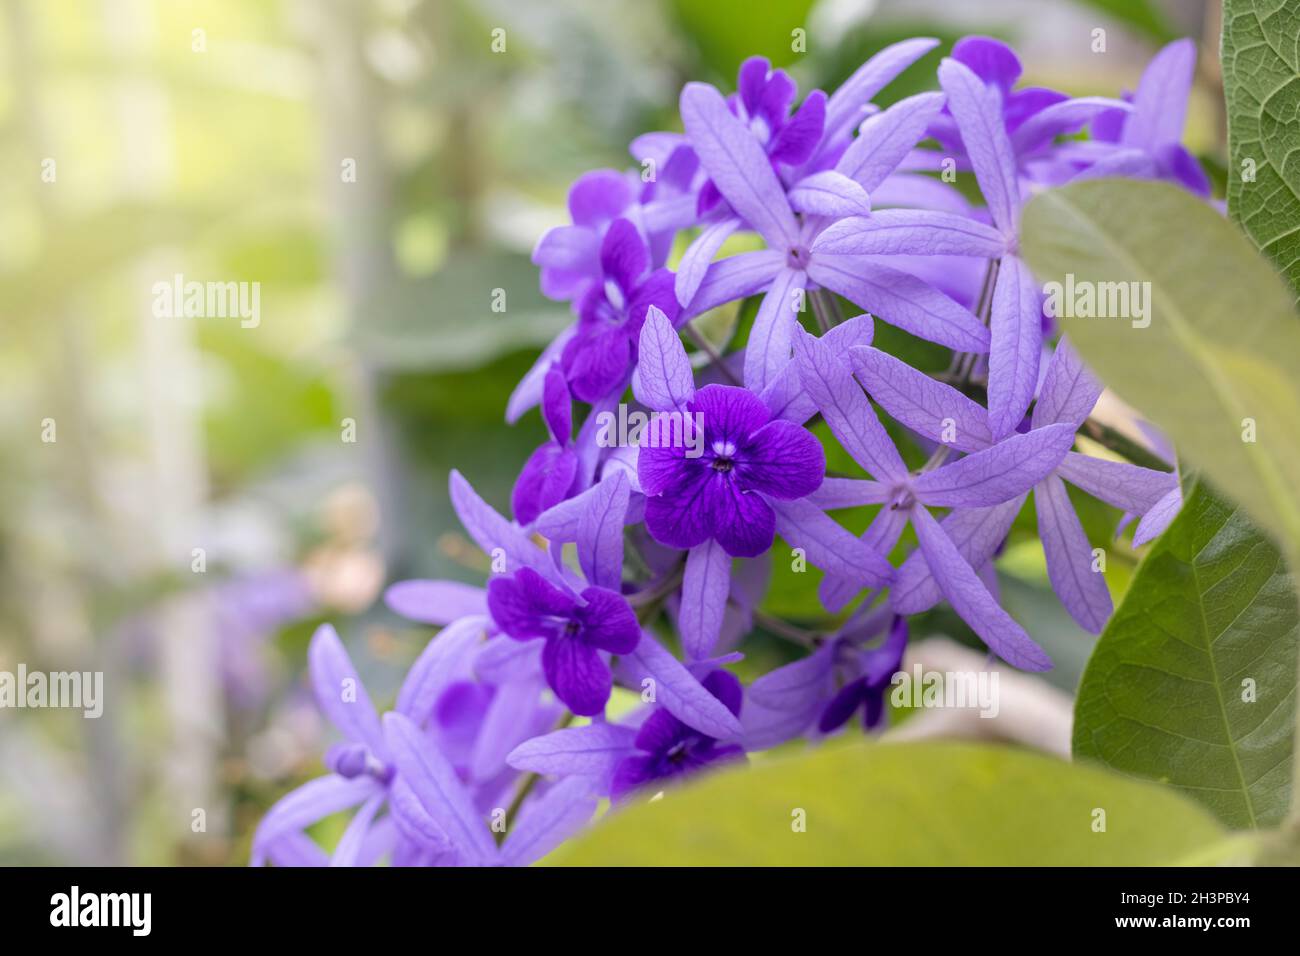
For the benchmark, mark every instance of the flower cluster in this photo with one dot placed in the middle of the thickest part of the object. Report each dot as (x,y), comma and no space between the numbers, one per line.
(501,741)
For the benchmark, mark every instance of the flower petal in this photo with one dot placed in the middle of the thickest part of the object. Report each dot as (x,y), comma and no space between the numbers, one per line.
(705,586)
(971,599)
(1017,343)
(1160,103)
(576,673)
(997,474)
(435,602)
(887,138)
(694,264)
(932,409)
(678,692)
(1158,518)
(1080,587)
(844,108)
(592,751)
(920,232)
(339,692)
(1069,390)
(664,381)
(829,546)
(977,533)
(978,112)
(1118,483)
(600,532)
(768,350)
(547,820)
(737,165)
(831,194)
(445,659)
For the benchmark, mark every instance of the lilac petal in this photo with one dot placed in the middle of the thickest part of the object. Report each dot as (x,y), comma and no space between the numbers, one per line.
(920,192)
(768,349)
(937,411)
(576,673)
(831,194)
(1017,339)
(1160,104)
(901,299)
(444,660)
(881,536)
(829,546)
(978,112)
(971,599)
(695,260)
(608,622)
(844,109)
(977,533)
(802,133)
(435,602)
(543,482)
(1066,117)
(562,522)
(600,532)
(737,165)
(751,80)
(547,820)
(800,686)
(291,850)
(623,255)
(313,801)
(887,138)
(1081,589)
(1130,163)
(339,692)
(657,147)
(415,823)
(743,522)
(591,751)
(529,390)
(1069,390)
(991,60)
(849,493)
(503,660)
(735,277)
(704,598)
(1118,483)
(997,474)
(598,196)
(438,789)
(846,409)
(679,693)
(767,727)
(350,844)
(508,722)
(911,232)
(664,381)
(1158,518)
(570,248)
(785,395)
(491,531)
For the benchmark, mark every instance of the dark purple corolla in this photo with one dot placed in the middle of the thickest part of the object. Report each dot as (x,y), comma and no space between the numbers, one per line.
(747,456)
(600,356)
(875,668)
(527,606)
(547,476)
(667,748)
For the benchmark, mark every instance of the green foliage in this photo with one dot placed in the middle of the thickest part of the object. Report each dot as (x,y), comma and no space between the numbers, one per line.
(729,31)
(1193,681)
(1261,82)
(1218,365)
(903,805)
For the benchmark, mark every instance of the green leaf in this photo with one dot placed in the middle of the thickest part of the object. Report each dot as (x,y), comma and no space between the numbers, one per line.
(902,805)
(1218,365)
(1210,619)
(1261,83)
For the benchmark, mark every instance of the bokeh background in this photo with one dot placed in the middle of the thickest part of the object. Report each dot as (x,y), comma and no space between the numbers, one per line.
(217,140)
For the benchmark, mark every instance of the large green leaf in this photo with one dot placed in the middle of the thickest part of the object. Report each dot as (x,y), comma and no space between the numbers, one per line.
(903,805)
(1219,361)
(1193,681)
(1261,82)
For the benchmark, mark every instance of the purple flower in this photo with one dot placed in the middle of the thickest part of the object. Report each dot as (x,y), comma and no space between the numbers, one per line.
(548,475)
(794,262)
(569,256)
(722,495)
(1146,141)
(526,606)
(988,477)
(669,748)
(875,668)
(601,353)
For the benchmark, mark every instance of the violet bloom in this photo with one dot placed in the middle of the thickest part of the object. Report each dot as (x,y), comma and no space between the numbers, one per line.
(875,668)
(569,256)
(790,223)
(988,477)
(1147,141)
(669,749)
(942,414)
(526,606)
(762,103)
(746,483)
(548,475)
(599,357)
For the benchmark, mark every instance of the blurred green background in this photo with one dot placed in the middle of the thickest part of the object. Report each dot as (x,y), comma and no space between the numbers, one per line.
(379,170)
